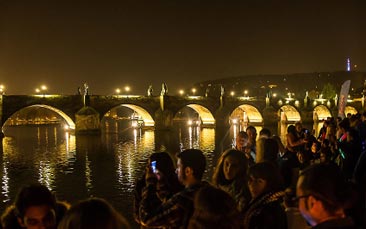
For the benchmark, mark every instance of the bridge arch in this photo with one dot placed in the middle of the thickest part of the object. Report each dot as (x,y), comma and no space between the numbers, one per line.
(247,114)
(288,113)
(205,114)
(141,112)
(321,112)
(351,110)
(69,121)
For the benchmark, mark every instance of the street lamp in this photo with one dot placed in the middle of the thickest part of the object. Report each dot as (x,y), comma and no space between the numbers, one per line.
(127,89)
(181,92)
(118,91)
(43,89)
(2,89)
(232,93)
(194,91)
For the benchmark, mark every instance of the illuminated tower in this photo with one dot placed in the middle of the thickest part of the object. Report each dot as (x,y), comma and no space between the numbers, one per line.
(348,65)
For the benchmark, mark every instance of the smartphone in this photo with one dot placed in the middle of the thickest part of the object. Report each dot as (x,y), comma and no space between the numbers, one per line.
(153,166)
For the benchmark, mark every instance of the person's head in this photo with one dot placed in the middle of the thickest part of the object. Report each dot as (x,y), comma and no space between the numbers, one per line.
(321,192)
(265,132)
(241,140)
(214,208)
(325,155)
(164,165)
(298,127)
(353,135)
(263,178)
(93,213)
(315,146)
(363,117)
(344,125)
(191,165)
(35,207)
(281,147)
(252,133)
(232,165)
(291,129)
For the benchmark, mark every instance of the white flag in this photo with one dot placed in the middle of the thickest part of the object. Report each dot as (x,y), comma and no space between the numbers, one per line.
(343,98)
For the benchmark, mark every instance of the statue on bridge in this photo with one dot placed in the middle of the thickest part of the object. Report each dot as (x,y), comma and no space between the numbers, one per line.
(86,89)
(207,90)
(222,91)
(150,91)
(164,89)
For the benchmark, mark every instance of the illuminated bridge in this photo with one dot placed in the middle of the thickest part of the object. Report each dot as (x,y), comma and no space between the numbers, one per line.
(161,111)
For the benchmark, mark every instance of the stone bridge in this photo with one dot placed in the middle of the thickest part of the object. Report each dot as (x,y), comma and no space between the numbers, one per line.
(160,111)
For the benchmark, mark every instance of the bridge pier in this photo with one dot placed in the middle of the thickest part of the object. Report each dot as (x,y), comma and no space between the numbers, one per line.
(87,121)
(163,119)
(270,116)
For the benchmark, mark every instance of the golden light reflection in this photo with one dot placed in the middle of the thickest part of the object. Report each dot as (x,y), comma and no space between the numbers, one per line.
(128,168)
(5,178)
(46,174)
(207,139)
(190,138)
(88,174)
(5,181)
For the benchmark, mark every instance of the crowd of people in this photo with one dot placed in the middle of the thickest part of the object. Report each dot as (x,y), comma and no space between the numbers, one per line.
(259,183)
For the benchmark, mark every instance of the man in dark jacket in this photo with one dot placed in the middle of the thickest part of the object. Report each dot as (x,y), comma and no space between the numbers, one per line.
(176,211)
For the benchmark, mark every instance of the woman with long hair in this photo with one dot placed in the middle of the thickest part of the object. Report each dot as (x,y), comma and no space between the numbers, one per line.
(266,188)
(230,176)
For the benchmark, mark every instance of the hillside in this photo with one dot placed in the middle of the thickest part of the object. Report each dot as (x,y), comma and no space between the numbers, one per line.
(299,83)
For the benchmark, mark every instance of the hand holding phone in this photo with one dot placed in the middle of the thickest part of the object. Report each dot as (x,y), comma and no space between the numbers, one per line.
(153,166)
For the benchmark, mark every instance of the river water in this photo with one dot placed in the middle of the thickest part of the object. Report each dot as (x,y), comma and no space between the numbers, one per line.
(106,165)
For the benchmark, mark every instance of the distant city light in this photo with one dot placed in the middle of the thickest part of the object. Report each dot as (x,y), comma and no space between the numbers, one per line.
(232,93)
(127,88)
(118,91)
(194,90)
(181,92)
(245,92)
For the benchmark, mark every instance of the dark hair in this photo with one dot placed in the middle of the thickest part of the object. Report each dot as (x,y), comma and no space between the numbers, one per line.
(219,178)
(326,183)
(165,164)
(194,159)
(93,213)
(268,172)
(214,208)
(344,124)
(242,134)
(33,195)
(291,129)
(265,131)
(251,128)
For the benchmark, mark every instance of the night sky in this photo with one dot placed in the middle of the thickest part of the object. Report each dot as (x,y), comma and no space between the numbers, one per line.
(110,44)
